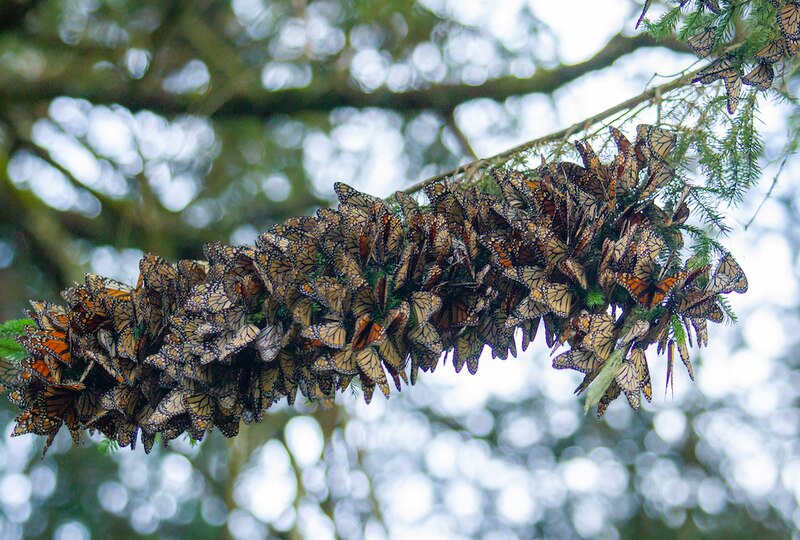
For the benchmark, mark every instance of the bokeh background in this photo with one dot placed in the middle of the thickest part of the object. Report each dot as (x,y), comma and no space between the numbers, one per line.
(136,126)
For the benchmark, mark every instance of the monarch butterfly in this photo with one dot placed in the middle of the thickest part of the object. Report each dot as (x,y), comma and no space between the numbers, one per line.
(49,316)
(789,20)
(9,375)
(553,249)
(546,204)
(156,273)
(499,251)
(531,307)
(107,290)
(424,305)
(128,345)
(53,344)
(193,272)
(575,271)
(200,408)
(397,318)
(582,360)
(558,298)
(348,268)
(331,334)
(611,394)
(367,332)
(432,276)
(728,277)
(241,339)
(717,69)
(370,365)
(89,407)
(426,336)
(649,246)
(701,305)
(712,5)
(683,351)
(700,329)
(733,86)
(639,360)
(659,175)
(654,141)
(42,369)
(467,350)
(771,53)
(646,293)
(600,336)
(627,380)
(389,354)
(513,197)
(644,12)
(172,405)
(268,342)
(702,44)
(349,195)
(456,312)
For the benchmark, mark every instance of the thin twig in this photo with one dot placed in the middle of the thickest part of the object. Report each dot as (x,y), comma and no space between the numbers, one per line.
(652,93)
(769,192)
(460,135)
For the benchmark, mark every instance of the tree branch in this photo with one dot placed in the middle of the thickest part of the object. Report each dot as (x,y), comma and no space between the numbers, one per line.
(325,93)
(647,95)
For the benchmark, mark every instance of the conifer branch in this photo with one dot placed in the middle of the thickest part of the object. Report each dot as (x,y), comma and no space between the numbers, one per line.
(647,95)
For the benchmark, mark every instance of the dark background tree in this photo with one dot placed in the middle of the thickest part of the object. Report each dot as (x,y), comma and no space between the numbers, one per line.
(128,127)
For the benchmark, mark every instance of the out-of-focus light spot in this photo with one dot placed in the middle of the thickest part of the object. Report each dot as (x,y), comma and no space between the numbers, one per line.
(15,489)
(144,519)
(711,496)
(463,499)
(581,21)
(522,432)
(120,265)
(409,498)
(193,77)
(176,471)
(242,526)
(756,473)
(214,511)
(246,234)
(588,518)
(516,504)
(441,455)
(563,423)
(276,187)
(580,475)
(178,193)
(113,497)
(43,481)
(74,530)
(304,439)
(370,68)
(314,524)
(280,76)
(6,254)
(670,425)
(269,489)
(428,60)
(764,333)
(137,61)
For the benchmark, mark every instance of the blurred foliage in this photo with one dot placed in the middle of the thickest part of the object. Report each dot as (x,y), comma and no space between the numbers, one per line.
(128,127)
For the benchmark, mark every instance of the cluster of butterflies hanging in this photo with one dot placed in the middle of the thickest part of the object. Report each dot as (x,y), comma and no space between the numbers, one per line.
(375,293)
(779,46)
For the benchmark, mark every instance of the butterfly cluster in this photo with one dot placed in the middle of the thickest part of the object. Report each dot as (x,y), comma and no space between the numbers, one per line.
(762,72)
(374,293)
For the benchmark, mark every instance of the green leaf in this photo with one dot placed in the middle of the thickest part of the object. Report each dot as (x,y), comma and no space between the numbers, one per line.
(603,380)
